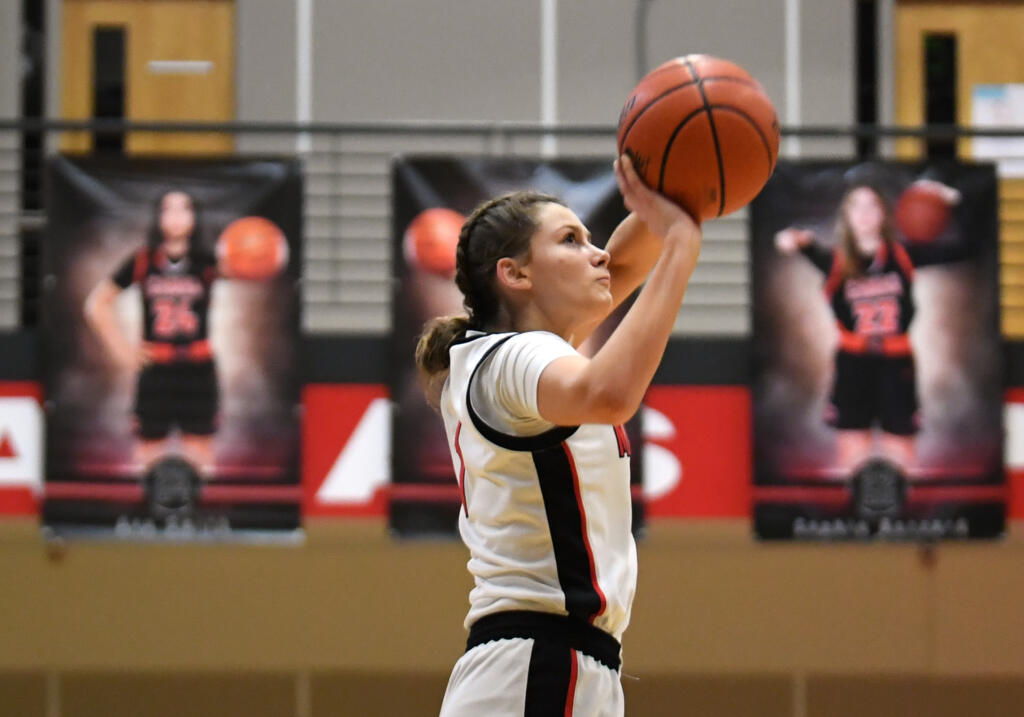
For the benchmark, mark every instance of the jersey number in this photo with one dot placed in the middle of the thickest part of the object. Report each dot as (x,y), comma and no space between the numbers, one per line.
(877,316)
(174,317)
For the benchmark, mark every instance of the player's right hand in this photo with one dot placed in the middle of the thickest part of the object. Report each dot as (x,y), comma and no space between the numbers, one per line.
(789,241)
(662,216)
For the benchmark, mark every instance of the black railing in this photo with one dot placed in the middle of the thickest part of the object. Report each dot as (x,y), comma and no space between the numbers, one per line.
(331,203)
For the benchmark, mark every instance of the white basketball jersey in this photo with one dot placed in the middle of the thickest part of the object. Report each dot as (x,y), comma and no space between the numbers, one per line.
(546,516)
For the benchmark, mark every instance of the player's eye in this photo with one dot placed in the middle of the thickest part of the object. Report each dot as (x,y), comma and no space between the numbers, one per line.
(570,238)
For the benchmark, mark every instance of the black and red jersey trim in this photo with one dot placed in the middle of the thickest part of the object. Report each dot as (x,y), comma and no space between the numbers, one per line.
(567,521)
(558,630)
(552,437)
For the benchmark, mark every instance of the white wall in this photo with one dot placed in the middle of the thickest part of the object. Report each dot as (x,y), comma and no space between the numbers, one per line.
(425,60)
(455,60)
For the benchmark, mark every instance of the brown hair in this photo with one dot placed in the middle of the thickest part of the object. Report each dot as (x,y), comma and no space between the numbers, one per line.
(853,263)
(501,227)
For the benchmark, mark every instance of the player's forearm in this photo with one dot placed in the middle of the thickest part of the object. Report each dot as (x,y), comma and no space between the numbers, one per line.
(100,316)
(622,369)
(634,250)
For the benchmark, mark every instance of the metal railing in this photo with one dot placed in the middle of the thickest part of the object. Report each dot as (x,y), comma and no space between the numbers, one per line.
(347,242)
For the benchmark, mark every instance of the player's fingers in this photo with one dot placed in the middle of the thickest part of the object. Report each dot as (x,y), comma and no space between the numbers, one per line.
(633,188)
(633,180)
(626,187)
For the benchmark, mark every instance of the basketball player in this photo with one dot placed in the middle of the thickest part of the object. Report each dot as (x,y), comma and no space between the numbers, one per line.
(869,288)
(177,378)
(536,440)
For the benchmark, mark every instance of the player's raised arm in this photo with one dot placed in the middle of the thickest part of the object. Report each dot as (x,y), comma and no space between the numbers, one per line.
(634,249)
(609,387)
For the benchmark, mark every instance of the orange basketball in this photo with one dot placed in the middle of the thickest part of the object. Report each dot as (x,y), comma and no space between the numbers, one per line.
(921,213)
(702,132)
(252,248)
(431,239)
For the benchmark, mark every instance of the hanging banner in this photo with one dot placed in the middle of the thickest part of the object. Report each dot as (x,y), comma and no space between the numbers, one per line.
(878,384)
(431,198)
(170,328)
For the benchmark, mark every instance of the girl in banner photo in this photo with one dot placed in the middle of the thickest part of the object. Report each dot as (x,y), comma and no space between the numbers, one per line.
(536,439)
(177,376)
(869,281)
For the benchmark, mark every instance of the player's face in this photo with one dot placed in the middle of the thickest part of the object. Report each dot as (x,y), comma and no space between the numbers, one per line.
(865,216)
(177,220)
(570,280)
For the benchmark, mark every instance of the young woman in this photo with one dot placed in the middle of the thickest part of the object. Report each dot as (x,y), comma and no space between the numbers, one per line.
(869,288)
(535,434)
(177,383)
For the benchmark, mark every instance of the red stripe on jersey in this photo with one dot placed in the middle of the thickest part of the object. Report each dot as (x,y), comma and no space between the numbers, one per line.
(853,343)
(141,265)
(903,259)
(570,694)
(462,469)
(583,526)
(835,276)
(623,441)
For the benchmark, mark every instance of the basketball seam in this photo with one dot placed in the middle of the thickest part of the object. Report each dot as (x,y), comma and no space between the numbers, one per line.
(668,146)
(666,93)
(714,139)
(753,123)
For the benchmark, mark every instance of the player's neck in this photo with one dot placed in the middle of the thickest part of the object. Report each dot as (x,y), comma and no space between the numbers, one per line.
(532,318)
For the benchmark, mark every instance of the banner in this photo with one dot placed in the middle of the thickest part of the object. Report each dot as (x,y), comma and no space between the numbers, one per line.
(431,198)
(878,385)
(170,334)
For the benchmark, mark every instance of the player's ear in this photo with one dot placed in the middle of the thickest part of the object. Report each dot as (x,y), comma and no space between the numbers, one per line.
(512,275)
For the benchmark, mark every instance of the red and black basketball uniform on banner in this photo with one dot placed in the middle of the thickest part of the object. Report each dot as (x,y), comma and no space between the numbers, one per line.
(176,300)
(179,388)
(873,304)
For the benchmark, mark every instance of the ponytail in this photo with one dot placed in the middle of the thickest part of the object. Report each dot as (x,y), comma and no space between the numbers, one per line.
(437,337)
(432,360)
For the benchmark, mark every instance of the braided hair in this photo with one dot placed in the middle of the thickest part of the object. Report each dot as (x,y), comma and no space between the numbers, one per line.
(501,227)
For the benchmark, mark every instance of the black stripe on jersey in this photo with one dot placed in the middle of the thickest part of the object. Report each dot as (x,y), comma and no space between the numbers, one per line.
(553,437)
(548,680)
(566,521)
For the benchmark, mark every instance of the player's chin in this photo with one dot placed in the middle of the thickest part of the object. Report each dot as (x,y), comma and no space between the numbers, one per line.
(602,299)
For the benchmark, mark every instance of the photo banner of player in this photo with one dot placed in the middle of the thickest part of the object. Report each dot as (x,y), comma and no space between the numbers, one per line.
(878,377)
(170,334)
(431,198)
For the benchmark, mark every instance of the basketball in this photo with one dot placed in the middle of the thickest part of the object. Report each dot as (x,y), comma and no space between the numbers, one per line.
(922,213)
(431,240)
(252,248)
(701,131)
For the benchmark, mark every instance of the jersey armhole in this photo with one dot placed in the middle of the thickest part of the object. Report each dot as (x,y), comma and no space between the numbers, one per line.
(547,439)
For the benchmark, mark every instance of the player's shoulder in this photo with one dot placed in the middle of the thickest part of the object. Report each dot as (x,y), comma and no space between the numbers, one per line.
(536,338)
(478,349)
(516,346)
